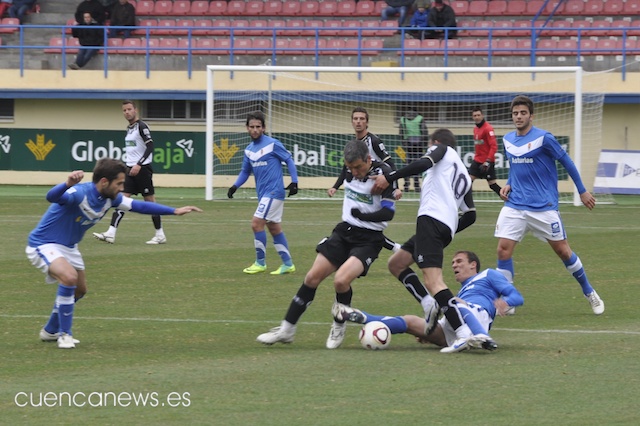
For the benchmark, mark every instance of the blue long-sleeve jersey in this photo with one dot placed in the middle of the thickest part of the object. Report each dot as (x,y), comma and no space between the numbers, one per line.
(482,289)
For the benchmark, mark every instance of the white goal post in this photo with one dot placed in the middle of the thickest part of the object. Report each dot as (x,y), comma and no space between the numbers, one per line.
(309,110)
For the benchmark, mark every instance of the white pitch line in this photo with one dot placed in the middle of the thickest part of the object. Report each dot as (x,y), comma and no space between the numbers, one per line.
(223,321)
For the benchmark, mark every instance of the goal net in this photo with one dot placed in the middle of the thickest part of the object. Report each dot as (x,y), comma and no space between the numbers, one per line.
(309,110)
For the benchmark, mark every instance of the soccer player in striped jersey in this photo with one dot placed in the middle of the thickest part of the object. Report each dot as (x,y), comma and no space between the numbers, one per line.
(531,197)
(484,161)
(446,191)
(264,157)
(483,295)
(53,245)
(353,246)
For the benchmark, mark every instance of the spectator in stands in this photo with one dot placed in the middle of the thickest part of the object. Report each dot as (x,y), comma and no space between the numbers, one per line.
(90,40)
(123,14)
(94,7)
(442,16)
(397,7)
(19,8)
(419,21)
(4,7)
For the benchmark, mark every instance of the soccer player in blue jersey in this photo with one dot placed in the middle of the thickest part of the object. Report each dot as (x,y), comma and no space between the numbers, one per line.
(53,245)
(263,157)
(531,197)
(482,296)
(353,246)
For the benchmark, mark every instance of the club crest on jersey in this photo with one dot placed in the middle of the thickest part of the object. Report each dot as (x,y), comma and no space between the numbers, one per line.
(356,196)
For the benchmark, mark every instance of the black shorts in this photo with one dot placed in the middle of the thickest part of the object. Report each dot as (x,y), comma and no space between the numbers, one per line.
(427,246)
(348,240)
(142,183)
(475,170)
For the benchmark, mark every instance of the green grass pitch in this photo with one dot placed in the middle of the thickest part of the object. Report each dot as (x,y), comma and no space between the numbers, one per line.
(177,323)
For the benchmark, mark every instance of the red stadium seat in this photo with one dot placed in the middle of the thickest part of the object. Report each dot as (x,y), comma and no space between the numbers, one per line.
(467,46)
(378,7)
(616,28)
(162,7)
(631,46)
(294,27)
(142,29)
(167,46)
(55,45)
(372,43)
(315,46)
(298,45)
(312,25)
(290,8)
(181,8)
(278,23)
(220,27)
(365,8)
(272,8)
(236,8)
(334,46)
(199,7)
(183,46)
(349,28)
(635,31)
(613,7)
(410,47)
(204,45)
(449,46)
(478,8)
(333,27)
(263,46)
(184,23)
(345,8)
(144,7)
(483,48)
(559,29)
(524,46)
(476,30)
(259,28)
(131,46)
(574,7)
(203,25)
(351,47)
(460,7)
(240,27)
(500,28)
(588,47)
(309,8)
(547,46)
(631,8)
(16,22)
(607,46)
(113,46)
(497,8)
(254,8)
(241,46)
(163,27)
(506,46)
(551,6)
(534,6)
(594,8)
(522,28)
(599,28)
(581,24)
(282,46)
(516,7)
(70,22)
(566,47)
(380,29)
(327,8)
(217,8)
(431,47)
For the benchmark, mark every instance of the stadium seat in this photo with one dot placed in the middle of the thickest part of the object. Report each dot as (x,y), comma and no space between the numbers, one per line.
(294,27)
(365,8)
(204,46)
(502,28)
(259,28)
(430,47)
(333,27)
(524,46)
(236,8)
(631,46)
(278,23)
(185,23)
(282,46)
(241,46)
(467,46)
(372,43)
(327,8)
(613,7)
(599,28)
(220,27)
(379,5)
(167,46)
(631,8)
(516,7)
(608,46)
(616,27)
(162,7)
(55,45)
(483,48)
(203,27)
(253,8)
(566,47)
(477,29)
(309,8)
(183,46)
(411,46)
(580,27)
(377,28)
(163,27)
(559,28)
(551,8)
(14,22)
(199,7)
(548,46)
(272,8)
(349,28)
(315,47)
(522,28)
(594,7)
(297,45)
(142,29)
(574,7)
(460,7)
(478,8)
(334,46)
(181,8)
(217,8)
(263,46)
(70,23)
(144,7)
(132,46)
(588,46)
(290,8)
(534,6)
(113,46)
(506,47)
(635,31)
(312,25)
(497,8)
(351,47)
(450,46)
(345,8)
(240,27)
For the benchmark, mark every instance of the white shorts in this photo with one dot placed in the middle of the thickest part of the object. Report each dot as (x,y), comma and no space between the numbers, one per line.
(270,209)
(514,224)
(42,256)
(481,315)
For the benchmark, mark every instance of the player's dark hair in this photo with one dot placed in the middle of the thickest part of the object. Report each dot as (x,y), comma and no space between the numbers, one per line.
(445,137)
(471,257)
(522,100)
(129,101)
(476,108)
(355,150)
(108,168)
(256,115)
(360,109)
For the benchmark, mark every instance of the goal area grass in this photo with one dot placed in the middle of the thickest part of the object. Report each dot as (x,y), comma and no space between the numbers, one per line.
(167,333)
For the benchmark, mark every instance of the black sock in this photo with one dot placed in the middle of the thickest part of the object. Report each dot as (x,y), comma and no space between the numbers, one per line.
(413,284)
(496,188)
(156,221)
(117,217)
(299,304)
(449,308)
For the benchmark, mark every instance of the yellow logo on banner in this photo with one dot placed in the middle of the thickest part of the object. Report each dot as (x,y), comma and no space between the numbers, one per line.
(401,153)
(224,152)
(40,149)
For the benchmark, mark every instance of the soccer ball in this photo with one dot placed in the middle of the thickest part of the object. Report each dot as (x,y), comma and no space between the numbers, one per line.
(375,335)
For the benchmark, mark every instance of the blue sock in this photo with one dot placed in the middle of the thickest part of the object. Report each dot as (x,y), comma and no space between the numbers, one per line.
(505,267)
(260,243)
(282,247)
(574,265)
(471,320)
(65,304)
(53,325)
(397,325)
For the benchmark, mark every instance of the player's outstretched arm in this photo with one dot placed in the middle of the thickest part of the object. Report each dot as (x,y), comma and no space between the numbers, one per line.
(588,200)
(186,209)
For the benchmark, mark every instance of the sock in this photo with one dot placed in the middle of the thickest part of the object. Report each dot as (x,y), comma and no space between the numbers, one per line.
(280,242)
(65,304)
(496,188)
(300,303)
(115,221)
(413,284)
(53,325)
(157,223)
(505,267)
(471,320)
(260,243)
(449,308)
(397,325)
(574,265)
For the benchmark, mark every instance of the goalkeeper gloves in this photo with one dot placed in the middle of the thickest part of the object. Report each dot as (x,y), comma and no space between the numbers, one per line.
(232,191)
(293,188)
